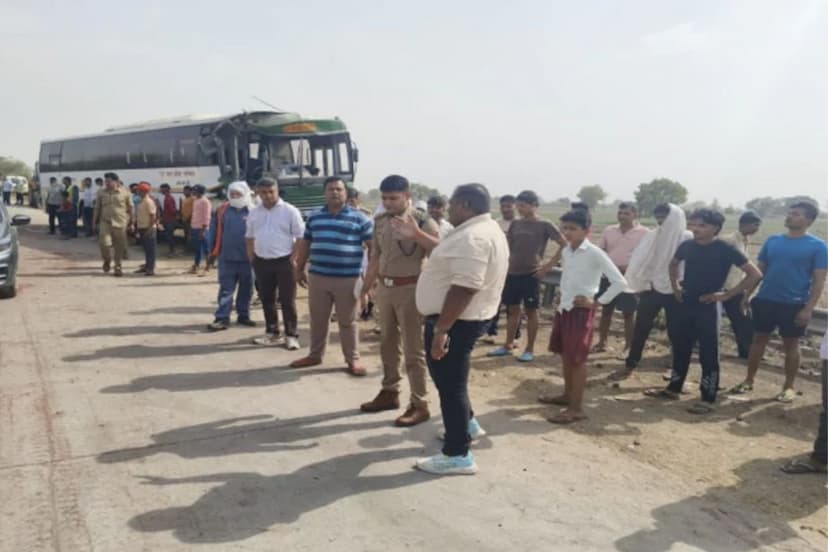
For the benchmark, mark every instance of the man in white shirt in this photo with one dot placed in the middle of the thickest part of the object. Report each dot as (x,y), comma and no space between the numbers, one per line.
(272,230)
(87,199)
(736,308)
(583,266)
(437,211)
(458,293)
(8,188)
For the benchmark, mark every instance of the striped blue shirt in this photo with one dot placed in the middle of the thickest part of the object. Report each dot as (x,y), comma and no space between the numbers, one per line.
(336,241)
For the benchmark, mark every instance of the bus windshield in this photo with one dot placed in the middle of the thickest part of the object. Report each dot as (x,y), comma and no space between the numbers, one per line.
(312,157)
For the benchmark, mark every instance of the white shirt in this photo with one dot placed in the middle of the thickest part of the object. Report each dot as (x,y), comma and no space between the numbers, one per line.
(445,228)
(740,242)
(582,271)
(8,186)
(88,197)
(274,230)
(476,256)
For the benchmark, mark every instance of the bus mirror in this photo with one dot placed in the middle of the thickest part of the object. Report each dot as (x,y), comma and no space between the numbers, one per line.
(355,155)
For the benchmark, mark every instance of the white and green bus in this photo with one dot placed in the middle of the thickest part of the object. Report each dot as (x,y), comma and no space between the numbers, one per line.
(213,151)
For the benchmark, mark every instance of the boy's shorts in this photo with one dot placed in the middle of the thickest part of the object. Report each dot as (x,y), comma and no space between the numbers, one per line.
(521,288)
(572,334)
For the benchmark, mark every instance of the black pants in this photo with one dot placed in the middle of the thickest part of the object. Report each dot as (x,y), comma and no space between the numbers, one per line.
(693,323)
(821,442)
(276,276)
(650,304)
(491,326)
(53,217)
(451,377)
(148,241)
(741,324)
(87,219)
(7,198)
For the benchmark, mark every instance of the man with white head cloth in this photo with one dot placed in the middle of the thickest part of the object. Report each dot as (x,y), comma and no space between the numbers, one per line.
(229,228)
(648,274)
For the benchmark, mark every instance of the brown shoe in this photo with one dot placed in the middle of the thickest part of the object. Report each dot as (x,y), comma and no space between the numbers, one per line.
(305,362)
(385,400)
(356,369)
(413,416)
(106,266)
(193,270)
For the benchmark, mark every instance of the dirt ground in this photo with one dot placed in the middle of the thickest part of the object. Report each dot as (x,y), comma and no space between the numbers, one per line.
(124,426)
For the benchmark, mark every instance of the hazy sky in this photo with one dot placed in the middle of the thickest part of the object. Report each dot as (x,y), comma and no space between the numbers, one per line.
(728,97)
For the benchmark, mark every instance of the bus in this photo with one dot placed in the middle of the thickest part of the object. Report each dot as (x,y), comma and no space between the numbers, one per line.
(213,151)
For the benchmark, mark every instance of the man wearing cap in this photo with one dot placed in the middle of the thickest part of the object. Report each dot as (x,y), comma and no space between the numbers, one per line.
(113,215)
(146,223)
(737,307)
(396,262)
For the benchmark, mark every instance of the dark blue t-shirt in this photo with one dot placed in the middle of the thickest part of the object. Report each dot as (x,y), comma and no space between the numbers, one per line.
(789,267)
(706,266)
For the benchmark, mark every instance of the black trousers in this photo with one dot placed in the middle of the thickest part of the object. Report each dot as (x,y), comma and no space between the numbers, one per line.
(650,304)
(451,377)
(693,323)
(276,276)
(148,241)
(53,218)
(741,324)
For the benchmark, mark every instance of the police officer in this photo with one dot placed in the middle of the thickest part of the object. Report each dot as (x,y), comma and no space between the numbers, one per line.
(396,263)
(112,216)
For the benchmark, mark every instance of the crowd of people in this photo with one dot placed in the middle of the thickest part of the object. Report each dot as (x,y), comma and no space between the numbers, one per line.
(436,277)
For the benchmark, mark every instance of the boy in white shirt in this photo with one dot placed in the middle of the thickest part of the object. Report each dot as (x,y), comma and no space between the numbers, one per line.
(583,265)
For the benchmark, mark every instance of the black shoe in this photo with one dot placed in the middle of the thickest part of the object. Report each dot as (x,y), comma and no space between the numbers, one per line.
(246,322)
(106,266)
(218,325)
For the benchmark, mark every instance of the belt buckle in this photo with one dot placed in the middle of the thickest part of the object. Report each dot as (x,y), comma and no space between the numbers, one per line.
(388,282)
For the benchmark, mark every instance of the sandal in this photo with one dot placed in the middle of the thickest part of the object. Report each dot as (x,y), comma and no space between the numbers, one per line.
(741,389)
(702,408)
(599,349)
(786,396)
(566,418)
(527,356)
(803,465)
(620,375)
(661,394)
(500,352)
(558,400)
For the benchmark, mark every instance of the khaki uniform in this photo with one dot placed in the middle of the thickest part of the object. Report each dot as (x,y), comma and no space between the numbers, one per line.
(113,212)
(399,319)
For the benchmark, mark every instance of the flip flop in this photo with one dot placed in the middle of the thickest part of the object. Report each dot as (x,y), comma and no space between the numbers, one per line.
(599,349)
(786,396)
(661,394)
(499,352)
(566,418)
(559,400)
(620,375)
(526,357)
(803,465)
(741,389)
(702,408)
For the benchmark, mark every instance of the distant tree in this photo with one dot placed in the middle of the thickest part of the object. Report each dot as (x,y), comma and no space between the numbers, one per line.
(374,194)
(592,195)
(730,210)
(764,206)
(660,190)
(565,201)
(421,191)
(770,206)
(16,167)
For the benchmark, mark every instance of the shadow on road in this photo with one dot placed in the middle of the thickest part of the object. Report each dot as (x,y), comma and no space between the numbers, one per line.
(249,435)
(140,330)
(202,381)
(184,309)
(243,505)
(145,351)
(716,522)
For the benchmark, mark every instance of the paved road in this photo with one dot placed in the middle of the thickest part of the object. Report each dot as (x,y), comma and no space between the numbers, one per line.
(125,427)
